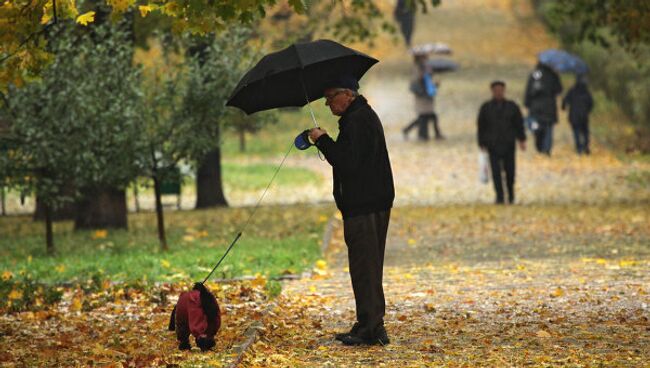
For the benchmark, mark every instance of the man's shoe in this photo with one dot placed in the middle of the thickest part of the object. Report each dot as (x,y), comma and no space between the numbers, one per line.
(184,345)
(380,338)
(353,331)
(353,340)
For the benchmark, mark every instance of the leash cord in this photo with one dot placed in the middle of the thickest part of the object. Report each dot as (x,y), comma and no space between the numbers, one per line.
(250,217)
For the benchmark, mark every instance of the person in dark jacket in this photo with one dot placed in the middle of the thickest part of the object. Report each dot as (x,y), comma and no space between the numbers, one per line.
(580,105)
(500,124)
(542,89)
(196,313)
(364,193)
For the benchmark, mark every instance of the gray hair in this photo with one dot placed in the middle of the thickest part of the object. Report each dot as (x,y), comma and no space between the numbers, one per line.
(353,92)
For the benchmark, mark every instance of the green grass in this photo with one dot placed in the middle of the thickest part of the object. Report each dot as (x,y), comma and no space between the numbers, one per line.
(257,176)
(279,240)
(275,139)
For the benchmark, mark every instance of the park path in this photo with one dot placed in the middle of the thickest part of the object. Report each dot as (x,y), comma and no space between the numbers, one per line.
(558,280)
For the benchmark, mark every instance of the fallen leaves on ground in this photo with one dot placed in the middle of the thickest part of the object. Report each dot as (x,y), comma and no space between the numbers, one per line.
(123,326)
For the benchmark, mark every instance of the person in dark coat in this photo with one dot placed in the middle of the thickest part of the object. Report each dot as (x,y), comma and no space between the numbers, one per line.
(364,193)
(196,313)
(580,105)
(542,89)
(404,14)
(500,124)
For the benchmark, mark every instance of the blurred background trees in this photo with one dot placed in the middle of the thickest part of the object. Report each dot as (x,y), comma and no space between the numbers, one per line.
(88,106)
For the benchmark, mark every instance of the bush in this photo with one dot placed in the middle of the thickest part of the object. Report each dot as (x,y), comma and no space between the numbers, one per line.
(23,293)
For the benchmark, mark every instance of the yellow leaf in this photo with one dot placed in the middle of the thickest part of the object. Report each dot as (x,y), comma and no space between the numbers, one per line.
(60,268)
(146,9)
(259,281)
(627,263)
(76,304)
(99,234)
(312,289)
(15,294)
(165,263)
(120,5)
(6,275)
(188,238)
(171,9)
(543,334)
(557,293)
(86,18)
(411,241)
(321,265)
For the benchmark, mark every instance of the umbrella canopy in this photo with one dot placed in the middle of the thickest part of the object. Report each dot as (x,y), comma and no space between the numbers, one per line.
(297,75)
(563,61)
(442,65)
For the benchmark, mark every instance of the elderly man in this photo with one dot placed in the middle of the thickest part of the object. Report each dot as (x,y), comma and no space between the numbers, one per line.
(364,193)
(500,124)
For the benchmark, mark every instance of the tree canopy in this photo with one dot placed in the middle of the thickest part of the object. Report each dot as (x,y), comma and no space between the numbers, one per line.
(25,29)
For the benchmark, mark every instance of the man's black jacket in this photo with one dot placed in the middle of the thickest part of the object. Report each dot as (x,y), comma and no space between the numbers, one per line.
(363,179)
(499,124)
(542,89)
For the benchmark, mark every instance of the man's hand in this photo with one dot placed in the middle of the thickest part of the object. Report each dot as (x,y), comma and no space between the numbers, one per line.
(522,145)
(315,133)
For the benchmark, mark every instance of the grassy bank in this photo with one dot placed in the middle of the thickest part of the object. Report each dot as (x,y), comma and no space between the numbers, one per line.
(279,240)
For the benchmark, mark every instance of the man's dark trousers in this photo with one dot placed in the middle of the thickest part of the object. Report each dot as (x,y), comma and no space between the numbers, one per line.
(503,160)
(365,236)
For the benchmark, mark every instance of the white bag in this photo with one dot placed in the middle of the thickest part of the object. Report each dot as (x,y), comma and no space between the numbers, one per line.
(483,167)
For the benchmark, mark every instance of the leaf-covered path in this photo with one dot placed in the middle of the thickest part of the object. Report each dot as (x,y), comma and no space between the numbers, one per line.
(484,286)
(561,279)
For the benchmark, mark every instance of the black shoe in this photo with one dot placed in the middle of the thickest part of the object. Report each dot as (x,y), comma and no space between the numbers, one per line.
(380,338)
(499,201)
(185,345)
(353,331)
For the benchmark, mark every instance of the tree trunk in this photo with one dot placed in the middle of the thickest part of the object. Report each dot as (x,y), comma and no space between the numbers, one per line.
(102,208)
(242,140)
(209,187)
(49,238)
(2,201)
(159,214)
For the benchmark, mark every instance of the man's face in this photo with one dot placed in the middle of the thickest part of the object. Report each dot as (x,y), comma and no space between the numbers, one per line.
(499,92)
(338,100)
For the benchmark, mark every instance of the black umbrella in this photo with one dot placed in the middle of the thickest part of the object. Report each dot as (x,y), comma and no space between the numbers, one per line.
(442,65)
(297,75)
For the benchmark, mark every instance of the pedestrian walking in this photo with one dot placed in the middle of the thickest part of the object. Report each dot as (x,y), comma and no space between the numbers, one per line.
(500,125)
(424,89)
(542,89)
(580,103)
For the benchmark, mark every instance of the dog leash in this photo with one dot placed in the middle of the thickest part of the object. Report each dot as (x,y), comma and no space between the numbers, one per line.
(250,217)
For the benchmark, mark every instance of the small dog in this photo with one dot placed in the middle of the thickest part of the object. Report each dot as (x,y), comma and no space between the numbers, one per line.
(197,313)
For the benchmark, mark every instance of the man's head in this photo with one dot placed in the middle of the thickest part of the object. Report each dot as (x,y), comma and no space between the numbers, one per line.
(498,89)
(340,94)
